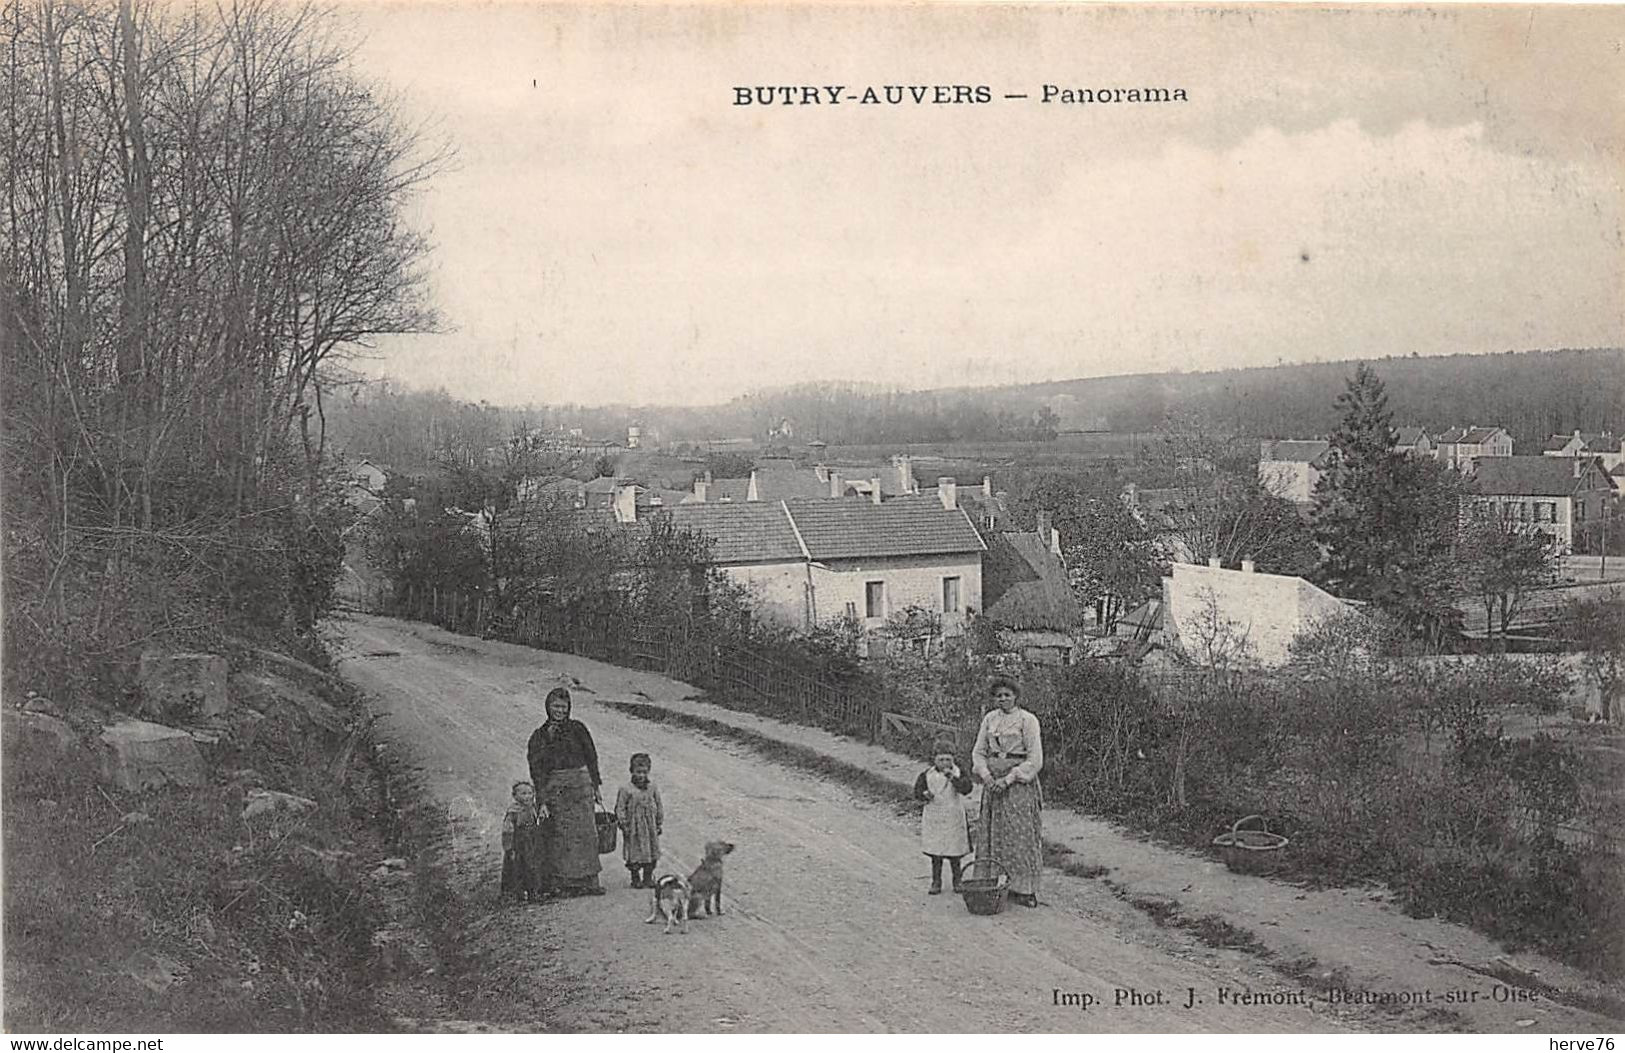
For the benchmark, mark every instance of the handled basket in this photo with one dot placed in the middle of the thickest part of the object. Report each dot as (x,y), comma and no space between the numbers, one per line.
(986,888)
(1254,850)
(606,831)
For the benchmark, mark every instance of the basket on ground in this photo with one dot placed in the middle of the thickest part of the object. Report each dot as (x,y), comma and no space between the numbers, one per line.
(1250,848)
(985,887)
(606,831)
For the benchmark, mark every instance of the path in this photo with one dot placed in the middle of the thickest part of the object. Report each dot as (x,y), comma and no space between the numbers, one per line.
(828,927)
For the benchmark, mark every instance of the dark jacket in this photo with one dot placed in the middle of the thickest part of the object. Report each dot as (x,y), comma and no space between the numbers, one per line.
(571,747)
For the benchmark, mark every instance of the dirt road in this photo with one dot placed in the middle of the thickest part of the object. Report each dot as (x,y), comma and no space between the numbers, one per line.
(828,925)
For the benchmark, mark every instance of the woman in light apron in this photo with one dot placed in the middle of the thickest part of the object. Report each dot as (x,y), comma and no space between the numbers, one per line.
(1007,758)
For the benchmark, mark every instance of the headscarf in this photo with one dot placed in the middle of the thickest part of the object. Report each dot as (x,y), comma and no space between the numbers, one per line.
(551,726)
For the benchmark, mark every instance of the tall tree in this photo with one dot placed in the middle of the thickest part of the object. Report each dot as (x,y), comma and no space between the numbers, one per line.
(1387,523)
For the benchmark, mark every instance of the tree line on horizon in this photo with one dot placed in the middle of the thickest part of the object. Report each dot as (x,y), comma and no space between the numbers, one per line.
(1532,394)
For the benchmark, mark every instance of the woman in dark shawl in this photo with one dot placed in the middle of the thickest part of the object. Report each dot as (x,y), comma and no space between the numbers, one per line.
(564,767)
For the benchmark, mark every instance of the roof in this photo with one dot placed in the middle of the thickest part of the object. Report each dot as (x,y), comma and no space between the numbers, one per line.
(1409,435)
(604,484)
(1478,435)
(779,484)
(1528,476)
(1306,451)
(1590,442)
(1452,435)
(667,497)
(726,490)
(742,531)
(903,526)
(1025,586)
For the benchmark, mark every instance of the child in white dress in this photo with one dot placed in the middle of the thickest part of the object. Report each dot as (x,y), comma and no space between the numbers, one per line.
(942,821)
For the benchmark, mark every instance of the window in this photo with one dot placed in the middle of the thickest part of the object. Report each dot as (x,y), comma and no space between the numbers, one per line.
(851,610)
(1546,512)
(950,595)
(874,599)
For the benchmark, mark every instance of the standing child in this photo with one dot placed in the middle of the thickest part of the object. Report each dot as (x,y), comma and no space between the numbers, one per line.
(524,856)
(942,822)
(638,812)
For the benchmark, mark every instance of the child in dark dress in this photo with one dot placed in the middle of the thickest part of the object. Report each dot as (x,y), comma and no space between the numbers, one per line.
(524,856)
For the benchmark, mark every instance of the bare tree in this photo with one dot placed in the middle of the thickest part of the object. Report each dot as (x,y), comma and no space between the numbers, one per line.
(202,213)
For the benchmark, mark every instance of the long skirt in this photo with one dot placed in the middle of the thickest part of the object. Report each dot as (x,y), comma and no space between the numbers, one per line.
(572,850)
(1012,829)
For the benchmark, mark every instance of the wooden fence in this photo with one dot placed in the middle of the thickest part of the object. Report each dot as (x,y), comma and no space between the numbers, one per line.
(736,673)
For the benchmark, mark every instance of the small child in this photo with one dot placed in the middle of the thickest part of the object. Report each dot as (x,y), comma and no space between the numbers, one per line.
(524,853)
(638,812)
(942,822)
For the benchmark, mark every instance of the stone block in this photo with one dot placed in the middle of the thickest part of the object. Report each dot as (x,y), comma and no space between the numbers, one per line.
(183,687)
(138,755)
(264,802)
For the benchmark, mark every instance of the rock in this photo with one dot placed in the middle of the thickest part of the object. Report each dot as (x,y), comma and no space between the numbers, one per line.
(135,818)
(41,736)
(155,972)
(243,775)
(269,694)
(264,802)
(138,755)
(38,703)
(182,687)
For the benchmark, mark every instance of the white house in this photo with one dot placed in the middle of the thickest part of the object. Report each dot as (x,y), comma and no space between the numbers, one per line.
(1215,615)
(815,560)
(1290,468)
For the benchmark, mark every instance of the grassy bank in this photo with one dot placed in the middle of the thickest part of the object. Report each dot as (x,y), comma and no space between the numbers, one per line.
(168,911)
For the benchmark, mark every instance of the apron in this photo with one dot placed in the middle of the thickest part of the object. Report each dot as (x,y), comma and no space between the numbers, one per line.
(942,821)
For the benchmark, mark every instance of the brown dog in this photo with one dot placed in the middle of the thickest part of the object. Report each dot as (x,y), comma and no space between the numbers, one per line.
(706,881)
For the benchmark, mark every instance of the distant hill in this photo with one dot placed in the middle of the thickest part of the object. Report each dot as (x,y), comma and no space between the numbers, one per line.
(1532,394)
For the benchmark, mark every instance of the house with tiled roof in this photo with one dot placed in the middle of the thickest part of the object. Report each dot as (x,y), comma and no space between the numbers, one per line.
(814,560)
(1564,497)
(1606,447)
(1461,448)
(1030,602)
(1291,468)
(1411,441)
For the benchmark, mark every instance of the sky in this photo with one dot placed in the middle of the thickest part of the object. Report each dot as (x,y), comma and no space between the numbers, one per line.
(1340,184)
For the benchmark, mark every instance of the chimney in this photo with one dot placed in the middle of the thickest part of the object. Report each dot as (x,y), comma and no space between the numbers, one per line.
(987,486)
(948,492)
(822,473)
(708,475)
(874,485)
(837,485)
(905,473)
(1215,562)
(1246,566)
(702,488)
(750,488)
(1044,521)
(626,504)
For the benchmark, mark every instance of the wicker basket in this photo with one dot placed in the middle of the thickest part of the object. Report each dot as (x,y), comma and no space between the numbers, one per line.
(986,888)
(606,831)
(1252,850)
